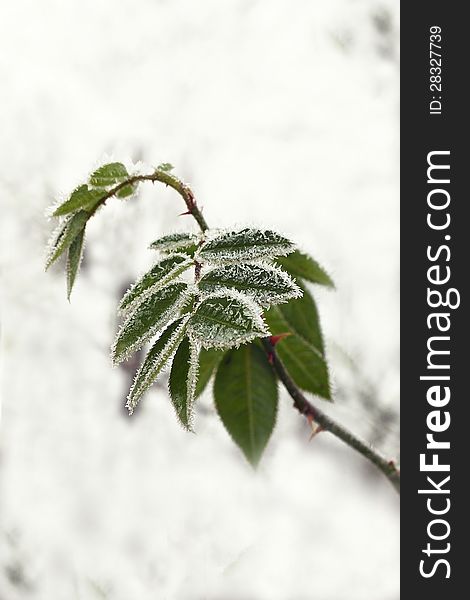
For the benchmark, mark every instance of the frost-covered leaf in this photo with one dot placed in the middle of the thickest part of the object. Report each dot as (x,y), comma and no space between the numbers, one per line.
(151,315)
(109,175)
(175,242)
(245,392)
(159,275)
(182,382)
(74,257)
(156,360)
(208,361)
(81,198)
(304,362)
(64,235)
(226,320)
(304,266)
(265,284)
(166,167)
(245,245)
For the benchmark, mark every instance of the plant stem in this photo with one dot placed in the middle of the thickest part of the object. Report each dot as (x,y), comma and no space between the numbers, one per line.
(306,408)
(170,180)
(301,403)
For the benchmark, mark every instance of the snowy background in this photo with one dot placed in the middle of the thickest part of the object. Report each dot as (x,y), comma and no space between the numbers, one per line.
(280,114)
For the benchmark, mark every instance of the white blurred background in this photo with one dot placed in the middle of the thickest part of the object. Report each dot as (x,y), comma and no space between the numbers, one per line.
(280,114)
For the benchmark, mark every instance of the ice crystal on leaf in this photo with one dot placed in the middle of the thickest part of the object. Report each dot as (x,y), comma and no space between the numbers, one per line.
(156,360)
(151,315)
(175,242)
(109,175)
(158,276)
(183,378)
(243,246)
(266,284)
(225,320)
(81,198)
(74,258)
(304,266)
(64,235)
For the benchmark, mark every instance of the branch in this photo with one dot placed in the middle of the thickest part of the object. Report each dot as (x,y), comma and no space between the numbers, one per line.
(306,408)
(169,180)
(301,403)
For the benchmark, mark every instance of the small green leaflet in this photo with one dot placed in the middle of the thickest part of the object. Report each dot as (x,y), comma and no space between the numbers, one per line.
(304,266)
(265,284)
(65,234)
(226,320)
(182,382)
(109,175)
(81,198)
(245,392)
(156,360)
(175,242)
(303,361)
(74,257)
(159,275)
(245,245)
(166,167)
(208,361)
(151,314)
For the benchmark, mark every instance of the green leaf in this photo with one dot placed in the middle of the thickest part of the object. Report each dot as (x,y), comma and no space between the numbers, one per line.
(156,360)
(304,266)
(182,382)
(301,315)
(65,234)
(151,315)
(208,361)
(159,275)
(265,284)
(166,167)
(127,190)
(303,361)
(245,394)
(226,320)
(109,175)
(81,198)
(245,245)
(176,242)
(74,257)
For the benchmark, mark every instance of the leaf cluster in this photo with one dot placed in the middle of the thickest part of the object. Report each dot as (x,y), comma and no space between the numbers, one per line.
(202,306)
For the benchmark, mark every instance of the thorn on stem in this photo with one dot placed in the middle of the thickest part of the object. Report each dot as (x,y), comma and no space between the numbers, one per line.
(275,339)
(316,428)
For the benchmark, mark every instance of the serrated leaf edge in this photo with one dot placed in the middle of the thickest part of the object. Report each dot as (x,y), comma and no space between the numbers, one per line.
(256,313)
(161,283)
(162,359)
(160,325)
(296,291)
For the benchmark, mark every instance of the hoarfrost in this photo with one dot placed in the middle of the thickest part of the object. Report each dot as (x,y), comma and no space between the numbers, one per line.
(244,245)
(156,360)
(225,320)
(264,283)
(161,273)
(175,242)
(150,316)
